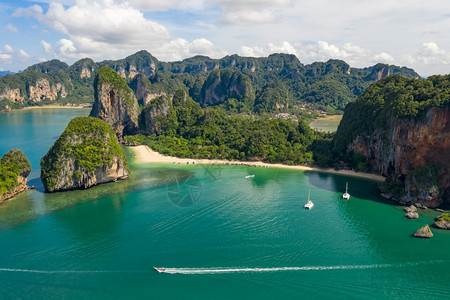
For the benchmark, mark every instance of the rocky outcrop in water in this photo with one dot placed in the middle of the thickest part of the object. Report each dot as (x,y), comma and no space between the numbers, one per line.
(424,232)
(115,103)
(14,170)
(86,154)
(442,222)
(412,215)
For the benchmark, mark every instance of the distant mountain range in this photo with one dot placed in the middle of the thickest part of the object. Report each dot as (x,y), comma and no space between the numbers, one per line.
(277,83)
(3,73)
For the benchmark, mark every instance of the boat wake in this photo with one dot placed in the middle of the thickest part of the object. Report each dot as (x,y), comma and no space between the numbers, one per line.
(194,271)
(200,271)
(65,271)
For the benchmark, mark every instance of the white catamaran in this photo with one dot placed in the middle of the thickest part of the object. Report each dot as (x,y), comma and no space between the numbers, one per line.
(346,195)
(309,204)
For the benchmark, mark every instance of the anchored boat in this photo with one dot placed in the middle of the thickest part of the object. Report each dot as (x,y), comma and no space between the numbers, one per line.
(346,195)
(309,204)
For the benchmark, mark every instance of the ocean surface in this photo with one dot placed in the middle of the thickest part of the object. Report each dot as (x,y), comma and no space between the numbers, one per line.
(218,234)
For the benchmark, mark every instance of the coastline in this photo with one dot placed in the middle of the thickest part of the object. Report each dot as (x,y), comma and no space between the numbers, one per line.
(53,106)
(146,155)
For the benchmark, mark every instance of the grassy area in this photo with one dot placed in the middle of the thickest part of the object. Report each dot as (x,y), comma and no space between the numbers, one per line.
(327,123)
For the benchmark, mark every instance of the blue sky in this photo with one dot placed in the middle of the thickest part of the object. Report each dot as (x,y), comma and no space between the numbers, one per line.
(412,33)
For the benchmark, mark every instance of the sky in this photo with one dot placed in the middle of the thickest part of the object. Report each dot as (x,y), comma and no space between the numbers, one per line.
(411,33)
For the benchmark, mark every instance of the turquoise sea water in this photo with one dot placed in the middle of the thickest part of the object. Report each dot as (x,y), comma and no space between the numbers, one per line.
(219,234)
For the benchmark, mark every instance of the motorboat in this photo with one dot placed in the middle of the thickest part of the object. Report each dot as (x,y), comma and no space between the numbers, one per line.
(250,176)
(160,270)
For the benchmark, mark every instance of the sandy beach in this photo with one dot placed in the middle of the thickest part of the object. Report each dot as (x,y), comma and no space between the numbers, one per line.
(146,155)
(54,106)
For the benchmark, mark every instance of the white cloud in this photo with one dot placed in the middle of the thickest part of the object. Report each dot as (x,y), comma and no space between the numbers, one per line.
(285,47)
(431,54)
(242,12)
(250,17)
(47,46)
(154,5)
(252,51)
(12,28)
(66,48)
(8,49)
(24,55)
(5,58)
(383,57)
(34,11)
(10,55)
(99,28)
(179,49)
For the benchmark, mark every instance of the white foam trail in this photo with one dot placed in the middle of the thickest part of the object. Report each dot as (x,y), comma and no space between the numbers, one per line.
(63,271)
(282,269)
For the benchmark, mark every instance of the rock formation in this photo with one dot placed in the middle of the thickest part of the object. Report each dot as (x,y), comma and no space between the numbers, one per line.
(412,215)
(402,129)
(42,90)
(411,208)
(86,154)
(12,95)
(442,222)
(224,84)
(140,86)
(152,113)
(14,170)
(424,232)
(115,102)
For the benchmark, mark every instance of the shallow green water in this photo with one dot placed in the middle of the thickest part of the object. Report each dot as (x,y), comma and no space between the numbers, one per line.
(221,235)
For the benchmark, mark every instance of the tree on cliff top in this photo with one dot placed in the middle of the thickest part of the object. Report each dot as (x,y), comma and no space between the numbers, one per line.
(12,165)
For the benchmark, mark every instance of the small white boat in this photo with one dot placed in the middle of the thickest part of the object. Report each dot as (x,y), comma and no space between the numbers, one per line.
(346,195)
(160,270)
(250,176)
(309,204)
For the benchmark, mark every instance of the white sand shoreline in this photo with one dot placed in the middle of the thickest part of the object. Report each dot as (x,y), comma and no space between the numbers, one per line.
(146,155)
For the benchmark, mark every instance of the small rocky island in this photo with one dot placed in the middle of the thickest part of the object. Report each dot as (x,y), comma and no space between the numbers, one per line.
(86,154)
(14,170)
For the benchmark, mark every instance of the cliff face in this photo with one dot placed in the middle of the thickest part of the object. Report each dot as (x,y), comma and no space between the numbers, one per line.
(86,154)
(224,84)
(42,90)
(115,102)
(12,95)
(402,127)
(409,145)
(154,113)
(15,168)
(140,86)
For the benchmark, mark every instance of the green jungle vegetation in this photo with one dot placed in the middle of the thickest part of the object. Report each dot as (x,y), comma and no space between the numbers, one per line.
(392,97)
(89,142)
(327,86)
(12,165)
(190,131)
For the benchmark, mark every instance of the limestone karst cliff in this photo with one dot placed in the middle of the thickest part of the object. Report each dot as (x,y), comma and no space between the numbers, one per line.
(224,84)
(14,170)
(115,103)
(86,154)
(402,129)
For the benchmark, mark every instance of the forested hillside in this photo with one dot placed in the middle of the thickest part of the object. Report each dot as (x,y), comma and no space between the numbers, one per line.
(278,83)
